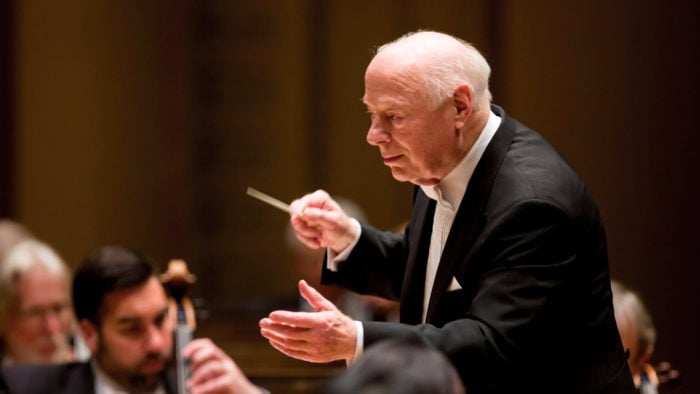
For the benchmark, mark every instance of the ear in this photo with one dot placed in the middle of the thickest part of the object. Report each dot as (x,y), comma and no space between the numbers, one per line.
(90,334)
(463,100)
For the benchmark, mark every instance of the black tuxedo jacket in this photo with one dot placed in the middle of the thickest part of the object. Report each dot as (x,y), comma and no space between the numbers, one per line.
(528,248)
(69,378)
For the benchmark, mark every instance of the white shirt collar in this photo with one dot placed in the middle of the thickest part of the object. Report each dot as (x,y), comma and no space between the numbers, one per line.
(451,189)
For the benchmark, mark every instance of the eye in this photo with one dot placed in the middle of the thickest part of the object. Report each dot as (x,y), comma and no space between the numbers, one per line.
(133,330)
(394,118)
(160,319)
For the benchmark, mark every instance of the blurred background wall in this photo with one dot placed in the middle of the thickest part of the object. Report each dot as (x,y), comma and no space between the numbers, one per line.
(142,123)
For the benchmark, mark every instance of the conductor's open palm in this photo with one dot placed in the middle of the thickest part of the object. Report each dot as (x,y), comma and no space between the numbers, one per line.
(321,336)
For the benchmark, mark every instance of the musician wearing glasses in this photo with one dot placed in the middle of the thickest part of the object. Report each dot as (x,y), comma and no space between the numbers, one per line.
(35,310)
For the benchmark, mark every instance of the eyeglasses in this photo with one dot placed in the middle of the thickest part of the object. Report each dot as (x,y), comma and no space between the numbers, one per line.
(39,313)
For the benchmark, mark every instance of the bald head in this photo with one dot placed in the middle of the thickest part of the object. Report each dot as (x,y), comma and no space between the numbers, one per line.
(435,64)
(428,100)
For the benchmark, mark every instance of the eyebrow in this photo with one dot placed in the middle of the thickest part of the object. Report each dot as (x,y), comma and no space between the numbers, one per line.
(126,320)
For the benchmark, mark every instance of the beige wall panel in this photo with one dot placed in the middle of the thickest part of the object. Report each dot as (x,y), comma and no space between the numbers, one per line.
(101,122)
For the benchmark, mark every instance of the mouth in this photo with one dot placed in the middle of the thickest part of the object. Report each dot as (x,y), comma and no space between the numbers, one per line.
(390,159)
(49,348)
(153,365)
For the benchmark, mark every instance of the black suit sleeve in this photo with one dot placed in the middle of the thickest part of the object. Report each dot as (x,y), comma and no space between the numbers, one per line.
(375,266)
(3,384)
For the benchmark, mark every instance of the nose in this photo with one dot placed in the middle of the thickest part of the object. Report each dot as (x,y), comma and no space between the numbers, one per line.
(377,134)
(54,323)
(155,339)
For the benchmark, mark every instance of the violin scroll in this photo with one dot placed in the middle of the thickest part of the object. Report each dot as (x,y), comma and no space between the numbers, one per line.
(177,280)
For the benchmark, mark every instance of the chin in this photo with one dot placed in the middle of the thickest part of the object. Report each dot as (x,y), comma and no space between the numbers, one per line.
(400,175)
(144,382)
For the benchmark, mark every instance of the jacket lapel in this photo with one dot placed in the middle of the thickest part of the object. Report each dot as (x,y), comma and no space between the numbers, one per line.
(418,234)
(79,379)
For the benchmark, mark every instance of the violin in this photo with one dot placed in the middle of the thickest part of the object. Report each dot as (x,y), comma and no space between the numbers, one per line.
(651,379)
(177,281)
(667,375)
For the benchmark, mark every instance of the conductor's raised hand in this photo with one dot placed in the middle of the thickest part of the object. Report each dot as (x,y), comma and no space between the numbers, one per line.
(319,222)
(322,336)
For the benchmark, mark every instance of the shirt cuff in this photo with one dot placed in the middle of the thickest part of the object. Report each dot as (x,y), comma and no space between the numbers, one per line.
(359,348)
(334,259)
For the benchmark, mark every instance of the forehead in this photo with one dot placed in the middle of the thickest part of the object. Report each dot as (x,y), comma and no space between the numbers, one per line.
(41,285)
(390,83)
(141,302)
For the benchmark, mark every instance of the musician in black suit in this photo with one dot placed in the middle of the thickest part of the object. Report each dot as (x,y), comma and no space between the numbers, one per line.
(127,323)
(503,265)
(3,385)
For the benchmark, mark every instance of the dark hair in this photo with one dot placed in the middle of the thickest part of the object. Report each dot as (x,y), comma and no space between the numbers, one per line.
(105,270)
(398,366)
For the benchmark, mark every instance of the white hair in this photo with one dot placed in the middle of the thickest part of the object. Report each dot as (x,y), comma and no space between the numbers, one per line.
(11,233)
(21,259)
(445,62)
(629,309)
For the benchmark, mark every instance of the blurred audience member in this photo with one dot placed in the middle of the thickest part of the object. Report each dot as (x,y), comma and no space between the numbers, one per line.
(638,336)
(11,233)
(398,366)
(308,263)
(36,318)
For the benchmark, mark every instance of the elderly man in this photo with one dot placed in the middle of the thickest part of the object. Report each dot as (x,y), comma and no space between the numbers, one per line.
(638,335)
(503,266)
(35,310)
